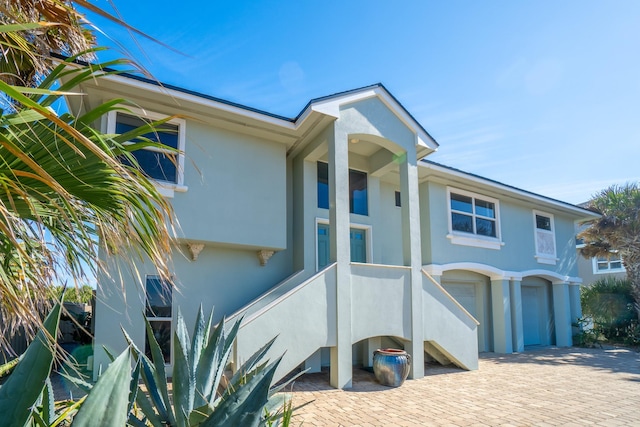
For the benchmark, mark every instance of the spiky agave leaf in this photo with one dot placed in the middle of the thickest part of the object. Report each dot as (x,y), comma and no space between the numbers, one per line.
(107,404)
(25,384)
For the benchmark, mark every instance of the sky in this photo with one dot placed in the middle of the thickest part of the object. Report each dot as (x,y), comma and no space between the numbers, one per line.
(541,95)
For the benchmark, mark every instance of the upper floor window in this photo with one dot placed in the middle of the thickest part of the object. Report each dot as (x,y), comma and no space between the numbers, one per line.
(608,264)
(473,219)
(159,164)
(158,311)
(545,237)
(398,200)
(358,200)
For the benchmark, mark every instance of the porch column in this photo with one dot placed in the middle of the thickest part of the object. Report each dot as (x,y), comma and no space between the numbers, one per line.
(412,254)
(562,314)
(501,308)
(576,307)
(341,353)
(517,330)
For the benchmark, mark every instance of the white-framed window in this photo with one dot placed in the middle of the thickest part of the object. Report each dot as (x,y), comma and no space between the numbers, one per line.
(159,313)
(545,237)
(474,219)
(165,168)
(608,264)
(360,237)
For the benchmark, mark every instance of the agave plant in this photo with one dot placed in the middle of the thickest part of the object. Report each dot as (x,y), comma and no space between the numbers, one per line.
(202,394)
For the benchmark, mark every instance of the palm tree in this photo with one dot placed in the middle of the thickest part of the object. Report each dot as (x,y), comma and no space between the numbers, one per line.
(63,187)
(618,229)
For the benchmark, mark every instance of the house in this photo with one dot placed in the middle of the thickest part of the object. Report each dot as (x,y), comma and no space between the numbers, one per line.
(595,268)
(329,231)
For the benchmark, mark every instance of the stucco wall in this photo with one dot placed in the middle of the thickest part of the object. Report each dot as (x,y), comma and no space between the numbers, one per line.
(517,234)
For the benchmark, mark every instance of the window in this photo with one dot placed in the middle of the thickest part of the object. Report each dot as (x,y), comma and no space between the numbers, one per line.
(545,238)
(473,220)
(608,264)
(158,311)
(358,199)
(398,201)
(161,165)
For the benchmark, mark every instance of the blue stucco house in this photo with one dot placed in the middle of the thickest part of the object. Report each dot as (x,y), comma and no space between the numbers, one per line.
(333,231)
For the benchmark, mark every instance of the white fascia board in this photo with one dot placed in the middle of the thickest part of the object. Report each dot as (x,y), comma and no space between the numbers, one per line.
(532,196)
(203,101)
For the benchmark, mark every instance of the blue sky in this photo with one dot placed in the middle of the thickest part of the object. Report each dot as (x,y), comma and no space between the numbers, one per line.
(541,95)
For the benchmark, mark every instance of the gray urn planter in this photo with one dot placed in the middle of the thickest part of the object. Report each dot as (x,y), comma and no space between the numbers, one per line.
(391,366)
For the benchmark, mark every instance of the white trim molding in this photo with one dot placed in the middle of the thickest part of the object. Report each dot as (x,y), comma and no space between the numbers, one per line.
(495,273)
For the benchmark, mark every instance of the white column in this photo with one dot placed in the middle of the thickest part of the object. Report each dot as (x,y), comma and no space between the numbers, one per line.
(562,314)
(517,330)
(412,254)
(341,353)
(501,309)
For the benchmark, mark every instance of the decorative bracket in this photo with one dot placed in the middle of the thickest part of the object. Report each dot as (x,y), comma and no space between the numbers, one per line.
(264,255)
(195,249)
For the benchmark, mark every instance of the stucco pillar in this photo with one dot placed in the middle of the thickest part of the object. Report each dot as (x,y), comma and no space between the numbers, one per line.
(412,255)
(517,330)
(341,353)
(562,314)
(501,309)
(576,307)
(370,345)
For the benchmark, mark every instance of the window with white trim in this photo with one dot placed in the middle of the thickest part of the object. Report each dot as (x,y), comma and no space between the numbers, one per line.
(545,237)
(608,264)
(473,219)
(161,165)
(158,310)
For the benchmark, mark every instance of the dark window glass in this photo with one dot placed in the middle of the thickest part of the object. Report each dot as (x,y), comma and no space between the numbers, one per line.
(398,203)
(543,222)
(358,203)
(358,200)
(461,203)
(485,209)
(460,222)
(323,185)
(485,227)
(158,298)
(156,164)
(162,333)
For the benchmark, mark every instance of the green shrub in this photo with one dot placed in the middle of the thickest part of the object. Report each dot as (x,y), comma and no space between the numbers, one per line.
(608,304)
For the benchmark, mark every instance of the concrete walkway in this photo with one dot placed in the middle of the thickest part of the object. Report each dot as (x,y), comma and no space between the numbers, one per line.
(544,387)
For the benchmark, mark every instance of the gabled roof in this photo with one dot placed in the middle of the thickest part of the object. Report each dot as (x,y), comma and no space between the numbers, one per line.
(326,105)
(514,191)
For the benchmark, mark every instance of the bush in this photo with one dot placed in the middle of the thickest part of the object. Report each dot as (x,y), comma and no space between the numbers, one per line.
(608,304)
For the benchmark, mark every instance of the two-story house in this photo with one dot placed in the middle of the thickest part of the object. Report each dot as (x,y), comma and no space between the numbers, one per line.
(330,231)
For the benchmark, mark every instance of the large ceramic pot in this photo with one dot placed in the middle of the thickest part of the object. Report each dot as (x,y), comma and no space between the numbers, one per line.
(391,366)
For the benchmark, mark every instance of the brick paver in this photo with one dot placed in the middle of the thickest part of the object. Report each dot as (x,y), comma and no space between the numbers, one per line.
(546,387)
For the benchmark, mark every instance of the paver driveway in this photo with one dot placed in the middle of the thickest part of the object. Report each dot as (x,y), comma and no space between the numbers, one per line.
(545,387)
